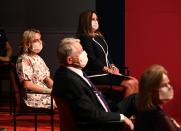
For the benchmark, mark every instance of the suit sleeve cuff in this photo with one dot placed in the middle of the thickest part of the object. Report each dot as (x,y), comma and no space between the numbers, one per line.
(122,118)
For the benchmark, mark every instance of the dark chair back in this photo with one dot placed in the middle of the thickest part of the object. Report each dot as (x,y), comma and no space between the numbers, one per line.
(20,107)
(5,74)
(16,89)
(67,122)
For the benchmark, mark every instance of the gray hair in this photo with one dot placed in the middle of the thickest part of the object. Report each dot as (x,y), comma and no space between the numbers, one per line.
(65,49)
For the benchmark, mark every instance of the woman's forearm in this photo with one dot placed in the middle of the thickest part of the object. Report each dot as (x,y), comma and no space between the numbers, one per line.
(34,87)
(49,82)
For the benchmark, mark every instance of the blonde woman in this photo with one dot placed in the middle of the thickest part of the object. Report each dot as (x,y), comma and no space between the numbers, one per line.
(32,71)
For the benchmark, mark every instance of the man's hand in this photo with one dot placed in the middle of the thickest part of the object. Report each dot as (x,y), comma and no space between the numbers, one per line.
(129,123)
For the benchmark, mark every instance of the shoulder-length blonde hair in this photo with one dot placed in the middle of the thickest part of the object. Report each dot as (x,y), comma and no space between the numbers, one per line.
(27,38)
(85,26)
(149,83)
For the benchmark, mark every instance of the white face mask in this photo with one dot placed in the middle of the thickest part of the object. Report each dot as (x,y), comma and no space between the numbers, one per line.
(36,47)
(82,60)
(95,25)
(166,93)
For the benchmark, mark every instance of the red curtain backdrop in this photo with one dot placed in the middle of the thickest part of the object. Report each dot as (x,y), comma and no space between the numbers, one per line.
(153,36)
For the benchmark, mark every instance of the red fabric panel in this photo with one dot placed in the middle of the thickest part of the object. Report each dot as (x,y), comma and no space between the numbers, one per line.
(153,36)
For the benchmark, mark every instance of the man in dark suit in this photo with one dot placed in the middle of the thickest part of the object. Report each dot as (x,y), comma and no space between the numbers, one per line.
(70,83)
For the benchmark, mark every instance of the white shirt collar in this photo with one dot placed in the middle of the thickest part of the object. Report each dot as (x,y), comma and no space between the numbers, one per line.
(77,71)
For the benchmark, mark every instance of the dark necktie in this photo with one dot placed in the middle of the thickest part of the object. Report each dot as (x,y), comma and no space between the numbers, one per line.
(98,94)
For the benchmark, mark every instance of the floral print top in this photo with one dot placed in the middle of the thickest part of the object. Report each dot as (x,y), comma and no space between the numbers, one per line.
(34,69)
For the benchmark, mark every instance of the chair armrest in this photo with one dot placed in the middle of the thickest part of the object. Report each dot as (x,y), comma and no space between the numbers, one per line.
(125,70)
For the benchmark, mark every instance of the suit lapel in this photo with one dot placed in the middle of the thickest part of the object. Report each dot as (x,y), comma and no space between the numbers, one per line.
(85,85)
(81,79)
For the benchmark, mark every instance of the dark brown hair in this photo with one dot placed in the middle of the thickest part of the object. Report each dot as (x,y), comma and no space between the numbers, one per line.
(84,25)
(150,81)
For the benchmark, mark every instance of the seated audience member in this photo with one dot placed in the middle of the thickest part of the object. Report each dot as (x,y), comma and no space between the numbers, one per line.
(155,91)
(6,50)
(72,85)
(100,66)
(32,71)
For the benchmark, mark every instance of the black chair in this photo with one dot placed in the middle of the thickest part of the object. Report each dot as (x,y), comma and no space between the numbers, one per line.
(20,107)
(5,74)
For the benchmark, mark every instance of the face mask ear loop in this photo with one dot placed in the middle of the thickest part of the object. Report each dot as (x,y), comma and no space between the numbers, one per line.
(75,62)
